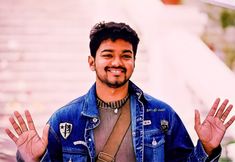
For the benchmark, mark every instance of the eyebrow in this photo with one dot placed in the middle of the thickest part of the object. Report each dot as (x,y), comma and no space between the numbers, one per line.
(110,50)
(106,50)
(127,51)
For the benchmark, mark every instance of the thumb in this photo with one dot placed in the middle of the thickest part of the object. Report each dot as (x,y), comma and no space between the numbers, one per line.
(45,134)
(197,120)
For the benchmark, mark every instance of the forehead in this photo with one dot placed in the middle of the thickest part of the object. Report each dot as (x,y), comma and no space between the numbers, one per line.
(118,43)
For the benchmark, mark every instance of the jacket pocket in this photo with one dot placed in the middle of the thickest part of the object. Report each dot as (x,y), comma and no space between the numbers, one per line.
(154,146)
(74,155)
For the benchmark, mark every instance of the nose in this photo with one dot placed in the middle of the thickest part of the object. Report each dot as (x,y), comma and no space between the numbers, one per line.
(117,61)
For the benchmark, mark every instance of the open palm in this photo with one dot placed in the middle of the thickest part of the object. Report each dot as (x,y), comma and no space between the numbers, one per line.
(212,130)
(30,145)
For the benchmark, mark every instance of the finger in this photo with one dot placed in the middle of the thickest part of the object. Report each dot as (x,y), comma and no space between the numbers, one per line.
(221,109)
(29,120)
(21,121)
(11,135)
(226,113)
(214,107)
(197,120)
(230,122)
(15,125)
(45,134)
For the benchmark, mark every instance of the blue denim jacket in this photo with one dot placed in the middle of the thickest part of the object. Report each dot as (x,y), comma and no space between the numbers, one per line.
(158,134)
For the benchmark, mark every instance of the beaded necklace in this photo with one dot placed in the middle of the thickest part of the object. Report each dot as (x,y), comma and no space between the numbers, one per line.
(114,105)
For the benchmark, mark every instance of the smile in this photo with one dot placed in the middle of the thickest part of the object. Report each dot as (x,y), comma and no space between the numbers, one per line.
(116,71)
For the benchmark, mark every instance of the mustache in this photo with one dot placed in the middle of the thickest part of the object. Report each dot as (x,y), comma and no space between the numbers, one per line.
(119,67)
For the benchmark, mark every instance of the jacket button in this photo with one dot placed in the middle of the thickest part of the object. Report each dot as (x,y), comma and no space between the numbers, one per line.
(154,142)
(94,120)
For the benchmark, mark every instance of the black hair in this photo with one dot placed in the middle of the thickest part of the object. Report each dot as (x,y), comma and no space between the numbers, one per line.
(112,30)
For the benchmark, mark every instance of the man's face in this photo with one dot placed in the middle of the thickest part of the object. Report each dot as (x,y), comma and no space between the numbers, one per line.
(114,62)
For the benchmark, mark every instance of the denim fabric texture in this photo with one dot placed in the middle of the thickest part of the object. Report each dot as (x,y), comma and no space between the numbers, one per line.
(158,133)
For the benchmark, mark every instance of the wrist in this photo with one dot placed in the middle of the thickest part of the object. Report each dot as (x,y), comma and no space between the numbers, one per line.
(31,160)
(215,154)
(21,158)
(208,149)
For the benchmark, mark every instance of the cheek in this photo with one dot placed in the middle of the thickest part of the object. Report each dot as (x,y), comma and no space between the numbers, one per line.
(130,65)
(100,63)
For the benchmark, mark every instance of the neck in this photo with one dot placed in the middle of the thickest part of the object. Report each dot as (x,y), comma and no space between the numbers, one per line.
(108,94)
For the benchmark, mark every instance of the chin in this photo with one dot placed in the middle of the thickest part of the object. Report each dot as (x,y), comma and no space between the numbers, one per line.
(116,84)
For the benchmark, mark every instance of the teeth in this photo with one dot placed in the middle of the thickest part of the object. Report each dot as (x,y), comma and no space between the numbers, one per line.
(115,71)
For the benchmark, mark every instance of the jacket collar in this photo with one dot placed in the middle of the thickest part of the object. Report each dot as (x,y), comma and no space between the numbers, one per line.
(135,90)
(90,108)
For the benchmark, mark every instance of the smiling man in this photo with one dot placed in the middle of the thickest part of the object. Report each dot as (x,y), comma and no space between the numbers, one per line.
(113,63)
(116,120)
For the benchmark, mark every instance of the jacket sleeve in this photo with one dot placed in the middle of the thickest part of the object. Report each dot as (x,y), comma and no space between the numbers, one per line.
(19,157)
(179,146)
(54,148)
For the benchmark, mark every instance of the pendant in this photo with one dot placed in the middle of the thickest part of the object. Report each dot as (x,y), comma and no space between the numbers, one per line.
(116,111)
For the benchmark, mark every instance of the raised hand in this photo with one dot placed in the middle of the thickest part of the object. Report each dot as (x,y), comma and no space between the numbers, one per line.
(30,145)
(213,128)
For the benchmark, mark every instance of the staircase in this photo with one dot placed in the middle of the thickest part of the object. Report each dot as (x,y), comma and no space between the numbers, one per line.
(44,47)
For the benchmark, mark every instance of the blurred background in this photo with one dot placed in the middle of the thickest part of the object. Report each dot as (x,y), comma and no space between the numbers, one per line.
(186,56)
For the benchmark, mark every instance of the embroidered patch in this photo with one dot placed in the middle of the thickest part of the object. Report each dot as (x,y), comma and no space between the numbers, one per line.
(80,143)
(164,125)
(147,122)
(65,129)
(155,110)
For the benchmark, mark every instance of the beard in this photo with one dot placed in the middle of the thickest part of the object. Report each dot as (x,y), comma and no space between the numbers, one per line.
(113,84)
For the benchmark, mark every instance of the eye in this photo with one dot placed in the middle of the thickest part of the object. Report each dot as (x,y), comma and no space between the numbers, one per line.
(107,55)
(127,56)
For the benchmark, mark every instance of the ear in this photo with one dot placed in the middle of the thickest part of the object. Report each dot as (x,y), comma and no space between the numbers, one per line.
(91,62)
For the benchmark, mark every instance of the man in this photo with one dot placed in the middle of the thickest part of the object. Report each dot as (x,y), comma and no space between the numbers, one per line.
(115,120)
